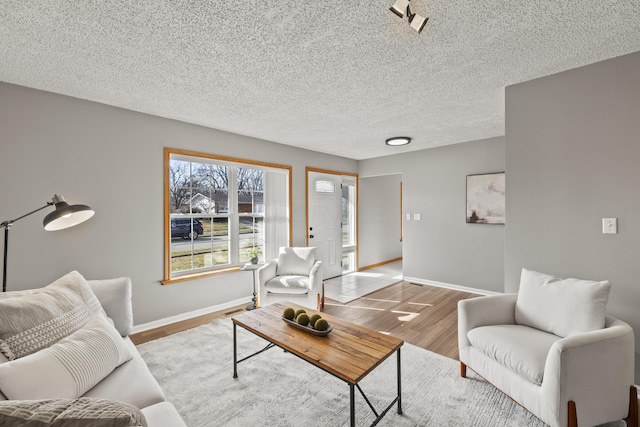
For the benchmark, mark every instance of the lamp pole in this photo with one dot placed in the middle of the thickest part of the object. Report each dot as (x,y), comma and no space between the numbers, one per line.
(4,263)
(7,225)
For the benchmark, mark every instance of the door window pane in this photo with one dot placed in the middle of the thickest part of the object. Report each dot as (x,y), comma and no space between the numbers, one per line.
(325,186)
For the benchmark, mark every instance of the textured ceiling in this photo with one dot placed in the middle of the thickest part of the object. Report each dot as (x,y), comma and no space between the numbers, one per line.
(333,76)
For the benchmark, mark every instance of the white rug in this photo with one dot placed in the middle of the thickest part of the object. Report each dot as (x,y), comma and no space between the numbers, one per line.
(195,369)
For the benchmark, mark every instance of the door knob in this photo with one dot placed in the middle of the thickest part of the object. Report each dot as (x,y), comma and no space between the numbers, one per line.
(311,236)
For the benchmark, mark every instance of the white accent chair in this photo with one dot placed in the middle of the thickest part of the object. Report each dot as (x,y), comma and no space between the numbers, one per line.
(552,350)
(295,275)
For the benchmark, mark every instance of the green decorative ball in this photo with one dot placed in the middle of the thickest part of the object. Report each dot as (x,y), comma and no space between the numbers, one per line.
(288,313)
(299,312)
(322,325)
(313,319)
(303,319)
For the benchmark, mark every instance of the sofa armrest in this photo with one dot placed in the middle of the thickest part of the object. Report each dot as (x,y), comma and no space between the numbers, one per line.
(267,272)
(315,277)
(115,297)
(484,311)
(595,370)
(162,414)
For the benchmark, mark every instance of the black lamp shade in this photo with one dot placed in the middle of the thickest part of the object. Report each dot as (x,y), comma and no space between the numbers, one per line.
(66,215)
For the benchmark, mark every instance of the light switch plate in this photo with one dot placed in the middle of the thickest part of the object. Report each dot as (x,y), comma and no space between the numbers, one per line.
(417,217)
(609,225)
(408,217)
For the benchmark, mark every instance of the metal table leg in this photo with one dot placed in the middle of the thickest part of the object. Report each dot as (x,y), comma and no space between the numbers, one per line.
(366,399)
(235,353)
(399,385)
(352,399)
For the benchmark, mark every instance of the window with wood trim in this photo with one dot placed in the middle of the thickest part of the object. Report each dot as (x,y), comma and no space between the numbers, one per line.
(218,210)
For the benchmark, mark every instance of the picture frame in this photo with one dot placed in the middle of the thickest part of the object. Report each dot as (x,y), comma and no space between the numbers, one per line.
(486,198)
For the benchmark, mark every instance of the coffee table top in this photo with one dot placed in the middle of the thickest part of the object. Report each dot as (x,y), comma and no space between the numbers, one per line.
(349,352)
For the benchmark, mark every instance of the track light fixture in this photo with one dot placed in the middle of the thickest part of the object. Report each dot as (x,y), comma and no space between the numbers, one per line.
(402,9)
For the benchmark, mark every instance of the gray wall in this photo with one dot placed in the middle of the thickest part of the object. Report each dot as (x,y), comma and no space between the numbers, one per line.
(442,247)
(112,160)
(379,219)
(573,158)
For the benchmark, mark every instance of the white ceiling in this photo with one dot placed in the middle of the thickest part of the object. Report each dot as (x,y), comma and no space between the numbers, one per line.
(332,76)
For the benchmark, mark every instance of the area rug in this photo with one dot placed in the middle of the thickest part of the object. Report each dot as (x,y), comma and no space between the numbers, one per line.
(275,388)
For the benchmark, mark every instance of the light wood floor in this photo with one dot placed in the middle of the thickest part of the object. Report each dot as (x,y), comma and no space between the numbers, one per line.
(425,316)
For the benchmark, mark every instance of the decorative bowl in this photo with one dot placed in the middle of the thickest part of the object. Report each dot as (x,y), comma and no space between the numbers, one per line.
(308,328)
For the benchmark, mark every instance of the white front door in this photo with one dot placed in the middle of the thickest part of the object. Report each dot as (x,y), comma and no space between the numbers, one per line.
(325,220)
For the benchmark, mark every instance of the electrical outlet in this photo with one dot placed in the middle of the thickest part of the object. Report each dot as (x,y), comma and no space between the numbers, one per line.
(609,226)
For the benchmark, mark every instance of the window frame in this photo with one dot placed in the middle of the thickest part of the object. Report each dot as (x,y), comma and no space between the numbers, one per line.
(238,162)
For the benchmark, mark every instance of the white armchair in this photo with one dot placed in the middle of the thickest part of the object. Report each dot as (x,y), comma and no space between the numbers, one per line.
(295,275)
(567,376)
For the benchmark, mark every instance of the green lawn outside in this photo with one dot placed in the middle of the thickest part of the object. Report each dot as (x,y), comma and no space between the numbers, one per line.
(221,228)
(181,261)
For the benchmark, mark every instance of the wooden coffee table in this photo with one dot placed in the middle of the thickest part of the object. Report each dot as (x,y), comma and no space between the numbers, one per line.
(349,352)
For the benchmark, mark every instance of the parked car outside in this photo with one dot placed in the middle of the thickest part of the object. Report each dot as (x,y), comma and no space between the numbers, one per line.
(187,228)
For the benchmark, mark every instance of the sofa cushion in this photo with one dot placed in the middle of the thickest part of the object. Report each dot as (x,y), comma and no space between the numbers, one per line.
(561,306)
(35,319)
(296,261)
(115,297)
(131,382)
(69,367)
(82,412)
(519,348)
(292,285)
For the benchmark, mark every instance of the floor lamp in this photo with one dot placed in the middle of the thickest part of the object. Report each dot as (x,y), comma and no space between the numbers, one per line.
(64,216)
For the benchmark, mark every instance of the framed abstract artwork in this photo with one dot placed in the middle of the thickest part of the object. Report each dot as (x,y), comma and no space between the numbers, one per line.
(486,198)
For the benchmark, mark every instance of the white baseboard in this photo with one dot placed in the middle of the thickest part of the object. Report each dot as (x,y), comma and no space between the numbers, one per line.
(186,316)
(450,286)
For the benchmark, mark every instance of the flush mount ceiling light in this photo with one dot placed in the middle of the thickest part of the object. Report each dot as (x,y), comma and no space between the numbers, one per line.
(402,9)
(397,141)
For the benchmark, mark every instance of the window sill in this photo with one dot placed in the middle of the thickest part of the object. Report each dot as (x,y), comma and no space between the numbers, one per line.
(196,276)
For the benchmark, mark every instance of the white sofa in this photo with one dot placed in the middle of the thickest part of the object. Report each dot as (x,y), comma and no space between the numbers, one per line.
(131,382)
(552,350)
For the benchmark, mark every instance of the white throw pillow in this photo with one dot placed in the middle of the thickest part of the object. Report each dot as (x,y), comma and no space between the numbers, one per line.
(70,367)
(296,261)
(561,306)
(36,318)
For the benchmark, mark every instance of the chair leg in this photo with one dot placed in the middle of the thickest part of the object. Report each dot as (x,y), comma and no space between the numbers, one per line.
(573,415)
(632,419)
(463,370)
